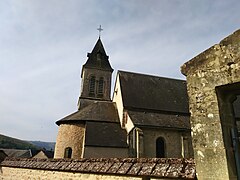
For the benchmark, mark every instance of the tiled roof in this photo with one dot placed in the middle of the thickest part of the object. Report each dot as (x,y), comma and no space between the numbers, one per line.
(105,134)
(3,155)
(97,111)
(102,122)
(146,118)
(18,153)
(143,167)
(48,154)
(140,91)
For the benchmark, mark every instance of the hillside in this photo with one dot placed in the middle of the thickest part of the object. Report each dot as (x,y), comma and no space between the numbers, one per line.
(44,145)
(13,143)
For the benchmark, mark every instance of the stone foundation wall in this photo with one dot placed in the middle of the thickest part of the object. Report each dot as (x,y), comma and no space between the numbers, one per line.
(70,135)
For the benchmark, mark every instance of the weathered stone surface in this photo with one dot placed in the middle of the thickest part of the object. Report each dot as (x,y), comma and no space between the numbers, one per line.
(135,169)
(70,135)
(115,167)
(174,170)
(131,167)
(124,168)
(160,169)
(97,166)
(147,168)
(71,165)
(84,166)
(105,167)
(211,76)
(77,166)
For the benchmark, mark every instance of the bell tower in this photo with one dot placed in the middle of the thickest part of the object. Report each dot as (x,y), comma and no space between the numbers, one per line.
(96,86)
(96,77)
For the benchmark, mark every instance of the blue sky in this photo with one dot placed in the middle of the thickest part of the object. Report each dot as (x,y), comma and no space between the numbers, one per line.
(43,44)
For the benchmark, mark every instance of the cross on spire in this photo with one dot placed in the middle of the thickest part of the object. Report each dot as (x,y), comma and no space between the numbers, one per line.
(100,29)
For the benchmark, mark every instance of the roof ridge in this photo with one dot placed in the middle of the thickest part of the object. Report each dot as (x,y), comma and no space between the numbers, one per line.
(150,75)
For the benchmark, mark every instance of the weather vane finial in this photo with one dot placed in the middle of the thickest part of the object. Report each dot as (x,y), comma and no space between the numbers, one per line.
(100,29)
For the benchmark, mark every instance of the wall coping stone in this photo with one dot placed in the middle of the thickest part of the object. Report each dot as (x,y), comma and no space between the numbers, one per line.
(174,168)
(195,62)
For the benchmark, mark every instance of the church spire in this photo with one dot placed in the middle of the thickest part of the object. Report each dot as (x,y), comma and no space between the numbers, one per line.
(98,58)
(96,77)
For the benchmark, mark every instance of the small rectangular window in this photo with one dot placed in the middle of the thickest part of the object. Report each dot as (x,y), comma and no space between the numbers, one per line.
(92,86)
(100,87)
(68,152)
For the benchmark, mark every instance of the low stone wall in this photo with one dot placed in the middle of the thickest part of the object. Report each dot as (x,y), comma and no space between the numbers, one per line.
(21,173)
(115,168)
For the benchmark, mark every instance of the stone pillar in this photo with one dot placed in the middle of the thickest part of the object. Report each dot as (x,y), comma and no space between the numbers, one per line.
(207,135)
(136,145)
(140,143)
(216,67)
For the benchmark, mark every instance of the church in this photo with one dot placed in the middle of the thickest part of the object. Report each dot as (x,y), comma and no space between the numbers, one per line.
(147,115)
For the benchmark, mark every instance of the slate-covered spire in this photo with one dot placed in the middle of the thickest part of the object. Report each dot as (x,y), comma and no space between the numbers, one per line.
(98,58)
(96,77)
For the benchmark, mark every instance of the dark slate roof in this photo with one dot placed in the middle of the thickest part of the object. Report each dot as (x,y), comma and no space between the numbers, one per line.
(97,111)
(2,152)
(49,154)
(98,58)
(3,155)
(153,93)
(102,123)
(142,167)
(18,153)
(105,134)
(159,120)
(35,152)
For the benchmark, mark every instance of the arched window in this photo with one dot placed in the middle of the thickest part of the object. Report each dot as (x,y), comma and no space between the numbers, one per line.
(100,87)
(68,152)
(92,86)
(160,148)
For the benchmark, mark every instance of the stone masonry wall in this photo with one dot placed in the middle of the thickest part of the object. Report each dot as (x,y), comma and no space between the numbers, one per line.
(107,152)
(87,73)
(70,135)
(9,173)
(217,66)
(172,139)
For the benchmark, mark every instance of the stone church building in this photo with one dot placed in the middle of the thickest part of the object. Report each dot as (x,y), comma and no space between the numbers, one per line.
(147,116)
